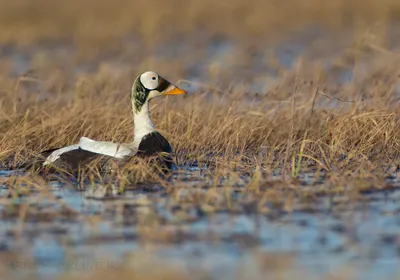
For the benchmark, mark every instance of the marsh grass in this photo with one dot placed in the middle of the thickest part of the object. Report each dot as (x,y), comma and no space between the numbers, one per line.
(285,134)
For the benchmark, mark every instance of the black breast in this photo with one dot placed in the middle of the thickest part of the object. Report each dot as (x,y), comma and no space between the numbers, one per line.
(154,144)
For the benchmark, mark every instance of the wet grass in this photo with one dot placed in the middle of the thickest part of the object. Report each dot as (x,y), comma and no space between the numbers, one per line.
(292,107)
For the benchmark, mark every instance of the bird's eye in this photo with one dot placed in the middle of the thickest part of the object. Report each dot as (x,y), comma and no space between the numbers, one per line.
(153,78)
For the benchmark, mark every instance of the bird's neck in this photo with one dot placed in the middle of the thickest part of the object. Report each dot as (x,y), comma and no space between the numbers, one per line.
(143,123)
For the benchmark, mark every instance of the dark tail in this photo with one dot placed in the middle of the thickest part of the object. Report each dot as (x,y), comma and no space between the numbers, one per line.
(33,163)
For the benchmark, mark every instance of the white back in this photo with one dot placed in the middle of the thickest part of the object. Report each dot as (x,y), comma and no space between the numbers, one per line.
(116,150)
(111,149)
(57,153)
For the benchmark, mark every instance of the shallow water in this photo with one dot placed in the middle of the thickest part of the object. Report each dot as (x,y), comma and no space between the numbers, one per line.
(70,231)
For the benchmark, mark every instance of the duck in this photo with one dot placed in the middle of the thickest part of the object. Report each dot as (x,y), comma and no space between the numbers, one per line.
(147,142)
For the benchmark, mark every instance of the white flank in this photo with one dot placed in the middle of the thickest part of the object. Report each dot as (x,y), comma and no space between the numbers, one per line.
(143,124)
(116,150)
(111,149)
(57,153)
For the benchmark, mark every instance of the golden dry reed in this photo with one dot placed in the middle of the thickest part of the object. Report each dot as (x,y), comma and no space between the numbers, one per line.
(304,118)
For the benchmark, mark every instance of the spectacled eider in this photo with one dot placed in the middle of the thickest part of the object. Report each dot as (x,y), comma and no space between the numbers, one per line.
(147,141)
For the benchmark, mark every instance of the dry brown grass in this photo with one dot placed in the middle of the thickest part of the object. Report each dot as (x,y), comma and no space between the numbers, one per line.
(217,127)
(52,94)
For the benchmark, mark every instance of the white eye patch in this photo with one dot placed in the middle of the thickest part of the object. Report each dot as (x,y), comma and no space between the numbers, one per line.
(149,80)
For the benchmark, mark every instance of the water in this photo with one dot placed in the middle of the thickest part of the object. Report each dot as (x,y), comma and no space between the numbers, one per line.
(72,231)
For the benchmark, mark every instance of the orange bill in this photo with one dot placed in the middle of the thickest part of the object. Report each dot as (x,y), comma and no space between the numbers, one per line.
(175,90)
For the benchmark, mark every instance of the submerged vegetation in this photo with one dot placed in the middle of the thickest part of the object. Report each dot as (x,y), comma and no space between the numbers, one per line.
(292,107)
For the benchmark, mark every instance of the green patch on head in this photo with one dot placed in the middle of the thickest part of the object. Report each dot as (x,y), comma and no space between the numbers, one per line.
(139,95)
